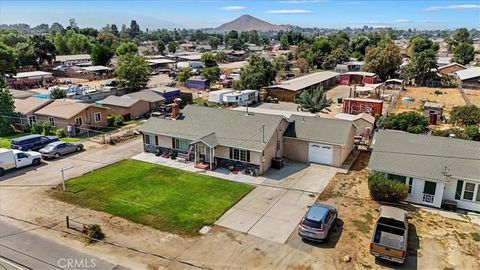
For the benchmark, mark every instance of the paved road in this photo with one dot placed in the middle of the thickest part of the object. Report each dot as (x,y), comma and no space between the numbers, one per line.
(22,249)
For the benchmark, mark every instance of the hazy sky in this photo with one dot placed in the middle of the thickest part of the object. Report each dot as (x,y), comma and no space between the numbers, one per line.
(203,13)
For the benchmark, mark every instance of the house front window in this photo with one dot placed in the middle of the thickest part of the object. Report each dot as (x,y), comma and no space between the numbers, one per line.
(98,117)
(51,120)
(469,191)
(240,154)
(150,139)
(181,144)
(32,119)
(78,121)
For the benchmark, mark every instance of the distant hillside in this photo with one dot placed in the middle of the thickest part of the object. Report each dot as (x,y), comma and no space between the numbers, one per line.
(247,23)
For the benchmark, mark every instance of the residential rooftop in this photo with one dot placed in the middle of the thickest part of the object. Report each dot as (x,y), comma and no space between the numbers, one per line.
(303,82)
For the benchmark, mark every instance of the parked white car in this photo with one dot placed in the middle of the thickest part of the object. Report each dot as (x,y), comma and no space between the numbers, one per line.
(14,159)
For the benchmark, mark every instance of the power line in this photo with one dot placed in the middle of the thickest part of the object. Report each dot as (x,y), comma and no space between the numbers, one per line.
(425,155)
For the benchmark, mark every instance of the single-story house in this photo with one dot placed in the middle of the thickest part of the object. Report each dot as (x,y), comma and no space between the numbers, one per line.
(469,77)
(363,122)
(71,60)
(220,137)
(75,117)
(97,70)
(153,98)
(289,90)
(436,169)
(129,108)
(444,60)
(319,140)
(450,68)
(31,79)
(160,63)
(27,107)
(358,77)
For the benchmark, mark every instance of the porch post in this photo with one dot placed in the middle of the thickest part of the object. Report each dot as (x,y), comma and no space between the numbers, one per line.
(195,153)
(210,149)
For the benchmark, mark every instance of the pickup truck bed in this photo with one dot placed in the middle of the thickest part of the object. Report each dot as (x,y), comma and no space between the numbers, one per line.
(389,237)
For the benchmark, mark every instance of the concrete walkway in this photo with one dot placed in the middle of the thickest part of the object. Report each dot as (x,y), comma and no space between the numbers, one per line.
(273,209)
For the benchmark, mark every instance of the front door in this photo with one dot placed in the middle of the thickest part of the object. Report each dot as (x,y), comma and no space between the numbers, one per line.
(22,160)
(433,118)
(429,191)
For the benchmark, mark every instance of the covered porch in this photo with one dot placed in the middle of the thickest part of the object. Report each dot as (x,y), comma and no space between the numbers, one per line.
(204,152)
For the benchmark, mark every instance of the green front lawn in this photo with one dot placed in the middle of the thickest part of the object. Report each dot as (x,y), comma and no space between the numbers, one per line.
(162,197)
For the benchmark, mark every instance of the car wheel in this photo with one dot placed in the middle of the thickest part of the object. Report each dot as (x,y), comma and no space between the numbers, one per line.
(57,155)
(36,162)
(79,149)
(2,172)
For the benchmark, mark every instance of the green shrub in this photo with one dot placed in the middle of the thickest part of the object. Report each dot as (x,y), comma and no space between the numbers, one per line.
(94,233)
(46,128)
(115,120)
(60,132)
(412,122)
(384,189)
(438,92)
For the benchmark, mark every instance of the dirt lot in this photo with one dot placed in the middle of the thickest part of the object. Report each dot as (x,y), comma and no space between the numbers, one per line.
(474,96)
(451,97)
(435,242)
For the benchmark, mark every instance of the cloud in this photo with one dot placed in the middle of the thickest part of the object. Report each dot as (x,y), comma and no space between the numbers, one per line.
(403,21)
(233,8)
(301,1)
(452,7)
(289,11)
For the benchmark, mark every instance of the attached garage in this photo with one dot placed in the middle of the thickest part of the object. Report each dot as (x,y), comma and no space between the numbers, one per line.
(318,140)
(320,153)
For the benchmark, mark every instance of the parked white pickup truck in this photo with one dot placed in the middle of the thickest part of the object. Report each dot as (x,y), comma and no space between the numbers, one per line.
(12,159)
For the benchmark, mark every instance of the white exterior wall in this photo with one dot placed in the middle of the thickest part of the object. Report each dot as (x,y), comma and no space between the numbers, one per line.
(416,196)
(449,194)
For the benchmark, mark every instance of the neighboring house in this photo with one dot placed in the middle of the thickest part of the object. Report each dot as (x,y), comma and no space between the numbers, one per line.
(31,79)
(129,108)
(67,113)
(469,77)
(220,137)
(154,100)
(450,68)
(319,140)
(436,169)
(358,77)
(289,90)
(71,60)
(364,122)
(27,107)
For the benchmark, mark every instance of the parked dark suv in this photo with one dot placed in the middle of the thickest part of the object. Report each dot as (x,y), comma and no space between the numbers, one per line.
(32,142)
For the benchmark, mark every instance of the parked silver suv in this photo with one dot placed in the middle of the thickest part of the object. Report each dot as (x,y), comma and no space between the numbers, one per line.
(317,222)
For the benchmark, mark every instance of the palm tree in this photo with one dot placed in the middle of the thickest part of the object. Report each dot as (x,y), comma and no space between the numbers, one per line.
(313,100)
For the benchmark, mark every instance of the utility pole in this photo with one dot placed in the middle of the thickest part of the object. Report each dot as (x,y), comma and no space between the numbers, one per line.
(63,177)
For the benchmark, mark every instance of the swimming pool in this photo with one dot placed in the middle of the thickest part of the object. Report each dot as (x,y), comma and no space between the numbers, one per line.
(44,96)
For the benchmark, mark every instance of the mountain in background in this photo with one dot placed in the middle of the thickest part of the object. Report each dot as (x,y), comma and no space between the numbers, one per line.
(247,23)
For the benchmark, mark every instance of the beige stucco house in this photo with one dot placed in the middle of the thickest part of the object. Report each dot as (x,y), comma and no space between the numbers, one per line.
(227,138)
(27,107)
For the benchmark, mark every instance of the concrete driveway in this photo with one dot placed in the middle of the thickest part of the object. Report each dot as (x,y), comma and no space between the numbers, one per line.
(273,209)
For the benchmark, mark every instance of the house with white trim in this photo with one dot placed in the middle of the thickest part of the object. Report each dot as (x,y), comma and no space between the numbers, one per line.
(436,169)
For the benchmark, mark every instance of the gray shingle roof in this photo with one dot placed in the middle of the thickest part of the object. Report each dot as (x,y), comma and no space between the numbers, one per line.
(425,156)
(321,130)
(230,128)
(146,95)
(124,101)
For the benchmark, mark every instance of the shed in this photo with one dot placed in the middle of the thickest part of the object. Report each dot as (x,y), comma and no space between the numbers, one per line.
(169,93)
(129,108)
(198,84)
(433,111)
(358,77)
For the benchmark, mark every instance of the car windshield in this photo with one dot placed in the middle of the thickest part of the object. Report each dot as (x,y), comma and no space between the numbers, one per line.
(312,223)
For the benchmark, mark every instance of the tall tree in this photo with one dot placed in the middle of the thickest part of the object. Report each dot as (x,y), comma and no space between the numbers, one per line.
(420,67)
(319,50)
(134,29)
(337,56)
(313,101)
(7,109)
(8,60)
(384,61)
(419,44)
(114,29)
(101,54)
(44,49)
(183,75)
(210,71)
(132,72)
(259,72)
(127,48)
(464,53)
(172,47)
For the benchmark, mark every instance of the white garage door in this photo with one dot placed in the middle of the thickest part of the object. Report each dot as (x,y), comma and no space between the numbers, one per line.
(319,153)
